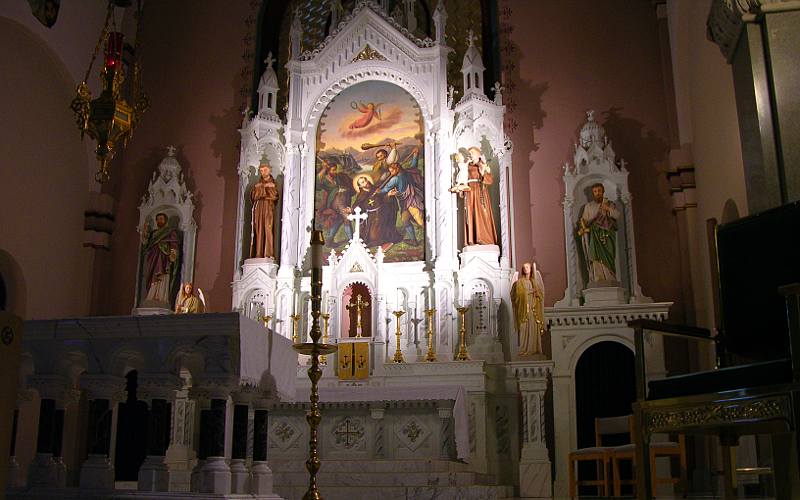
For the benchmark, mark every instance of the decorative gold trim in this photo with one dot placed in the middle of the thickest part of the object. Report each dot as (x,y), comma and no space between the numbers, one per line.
(368,53)
(718,413)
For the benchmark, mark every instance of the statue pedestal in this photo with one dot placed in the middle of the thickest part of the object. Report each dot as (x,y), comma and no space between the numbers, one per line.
(604,296)
(487,253)
(151,311)
(97,473)
(266,263)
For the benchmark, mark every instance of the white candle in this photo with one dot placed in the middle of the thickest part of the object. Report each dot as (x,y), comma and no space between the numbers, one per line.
(397,299)
(316,255)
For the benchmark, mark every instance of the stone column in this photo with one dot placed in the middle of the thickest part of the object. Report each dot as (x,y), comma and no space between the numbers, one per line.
(104,393)
(535,480)
(158,391)
(378,447)
(214,476)
(240,475)
(43,471)
(181,454)
(261,482)
(447,443)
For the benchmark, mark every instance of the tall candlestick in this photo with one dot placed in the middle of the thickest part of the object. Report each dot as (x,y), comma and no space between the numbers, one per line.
(431,355)
(398,354)
(462,348)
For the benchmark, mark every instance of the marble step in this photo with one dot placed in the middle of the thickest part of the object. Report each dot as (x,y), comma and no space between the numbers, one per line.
(476,492)
(395,466)
(384,478)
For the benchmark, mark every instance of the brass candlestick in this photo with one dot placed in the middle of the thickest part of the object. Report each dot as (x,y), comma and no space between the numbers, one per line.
(266,319)
(325,317)
(295,321)
(462,348)
(431,356)
(398,354)
(314,349)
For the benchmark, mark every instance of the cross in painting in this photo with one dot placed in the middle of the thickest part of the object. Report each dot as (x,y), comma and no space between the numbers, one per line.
(357,217)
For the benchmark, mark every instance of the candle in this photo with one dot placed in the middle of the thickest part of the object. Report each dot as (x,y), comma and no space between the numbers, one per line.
(397,299)
(316,249)
(463,297)
(113,54)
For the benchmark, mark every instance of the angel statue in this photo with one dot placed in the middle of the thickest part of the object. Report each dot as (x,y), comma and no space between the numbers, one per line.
(189,303)
(527,299)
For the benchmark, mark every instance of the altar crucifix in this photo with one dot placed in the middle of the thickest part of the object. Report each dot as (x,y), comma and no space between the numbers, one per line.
(358,218)
(359,304)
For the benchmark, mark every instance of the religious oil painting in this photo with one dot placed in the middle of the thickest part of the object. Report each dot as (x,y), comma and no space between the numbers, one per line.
(370,161)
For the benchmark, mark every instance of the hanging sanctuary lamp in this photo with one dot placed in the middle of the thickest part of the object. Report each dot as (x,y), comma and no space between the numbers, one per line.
(109,119)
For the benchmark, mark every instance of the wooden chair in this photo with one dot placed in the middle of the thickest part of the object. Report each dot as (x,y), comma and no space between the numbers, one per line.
(668,449)
(599,454)
(756,390)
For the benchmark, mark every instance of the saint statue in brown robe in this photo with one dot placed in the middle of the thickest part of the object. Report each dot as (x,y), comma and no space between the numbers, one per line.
(527,300)
(264,195)
(479,228)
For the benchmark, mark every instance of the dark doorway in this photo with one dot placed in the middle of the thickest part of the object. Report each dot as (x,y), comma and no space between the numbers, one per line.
(605,386)
(131,433)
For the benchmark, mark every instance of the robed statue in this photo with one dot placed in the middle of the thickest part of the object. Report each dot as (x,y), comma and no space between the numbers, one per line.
(264,196)
(597,229)
(187,302)
(161,250)
(527,300)
(473,179)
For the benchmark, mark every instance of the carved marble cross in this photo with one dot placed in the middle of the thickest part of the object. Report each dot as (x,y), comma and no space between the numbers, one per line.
(269,60)
(357,217)
(470,37)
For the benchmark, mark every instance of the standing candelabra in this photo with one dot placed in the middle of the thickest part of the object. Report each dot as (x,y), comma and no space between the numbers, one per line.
(431,356)
(398,354)
(462,331)
(315,349)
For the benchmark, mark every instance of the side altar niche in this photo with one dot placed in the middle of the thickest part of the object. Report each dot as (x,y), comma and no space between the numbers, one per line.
(373,130)
(167,233)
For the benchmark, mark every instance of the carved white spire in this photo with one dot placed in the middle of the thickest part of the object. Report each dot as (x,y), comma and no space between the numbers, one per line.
(440,21)
(296,34)
(411,15)
(267,88)
(472,68)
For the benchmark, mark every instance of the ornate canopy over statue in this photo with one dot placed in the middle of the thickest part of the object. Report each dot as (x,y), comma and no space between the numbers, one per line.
(167,233)
(598,225)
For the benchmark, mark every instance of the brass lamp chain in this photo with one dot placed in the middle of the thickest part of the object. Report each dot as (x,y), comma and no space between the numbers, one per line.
(103,34)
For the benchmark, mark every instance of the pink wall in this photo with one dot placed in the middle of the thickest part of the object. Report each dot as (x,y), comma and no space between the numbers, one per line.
(192,58)
(567,57)
(42,179)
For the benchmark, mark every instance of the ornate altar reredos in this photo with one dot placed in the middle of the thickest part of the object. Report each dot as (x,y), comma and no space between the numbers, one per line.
(597,180)
(167,232)
(370,96)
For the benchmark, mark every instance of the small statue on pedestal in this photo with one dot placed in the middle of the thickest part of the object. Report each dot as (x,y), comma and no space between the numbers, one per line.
(189,303)
(527,299)
(472,178)
(264,196)
(597,230)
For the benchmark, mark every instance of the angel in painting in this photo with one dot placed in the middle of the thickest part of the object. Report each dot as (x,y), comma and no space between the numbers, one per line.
(369,111)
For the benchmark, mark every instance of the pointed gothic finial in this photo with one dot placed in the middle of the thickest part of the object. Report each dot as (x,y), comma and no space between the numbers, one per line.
(439,22)
(296,33)
(498,93)
(269,60)
(471,38)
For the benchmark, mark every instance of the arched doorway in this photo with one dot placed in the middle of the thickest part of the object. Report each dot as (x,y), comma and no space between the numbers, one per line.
(605,386)
(351,297)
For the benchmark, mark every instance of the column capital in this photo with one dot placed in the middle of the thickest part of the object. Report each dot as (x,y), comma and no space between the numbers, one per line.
(158,386)
(51,386)
(213,386)
(102,386)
